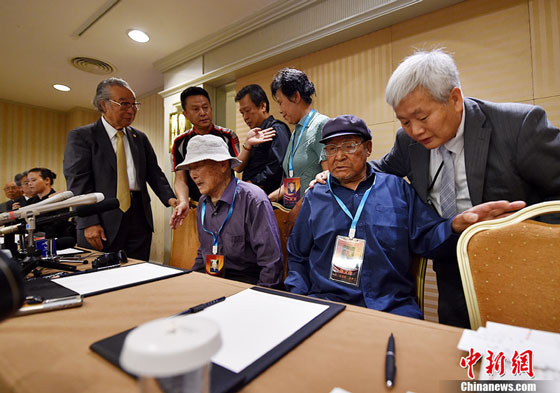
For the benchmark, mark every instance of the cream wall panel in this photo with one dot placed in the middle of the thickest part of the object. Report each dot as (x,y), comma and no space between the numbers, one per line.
(350,77)
(150,120)
(490,41)
(383,138)
(78,117)
(545,33)
(31,137)
(552,107)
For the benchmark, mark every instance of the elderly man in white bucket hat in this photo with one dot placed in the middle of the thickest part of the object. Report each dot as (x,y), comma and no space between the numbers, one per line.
(238,234)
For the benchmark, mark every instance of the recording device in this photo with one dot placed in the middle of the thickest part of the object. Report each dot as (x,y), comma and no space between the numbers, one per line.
(108,259)
(11,286)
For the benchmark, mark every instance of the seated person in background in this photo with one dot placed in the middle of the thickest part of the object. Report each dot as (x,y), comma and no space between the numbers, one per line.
(41,182)
(238,234)
(354,236)
(15,196)
(266,143)
(198,110)
(23,183)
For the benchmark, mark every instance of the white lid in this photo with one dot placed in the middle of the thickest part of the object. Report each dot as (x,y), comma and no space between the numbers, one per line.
(170,346)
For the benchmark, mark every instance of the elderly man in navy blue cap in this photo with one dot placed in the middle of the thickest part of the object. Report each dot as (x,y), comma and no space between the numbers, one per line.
(354,236)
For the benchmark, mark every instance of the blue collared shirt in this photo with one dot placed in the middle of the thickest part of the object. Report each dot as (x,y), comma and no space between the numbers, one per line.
(395,223)
(249,241)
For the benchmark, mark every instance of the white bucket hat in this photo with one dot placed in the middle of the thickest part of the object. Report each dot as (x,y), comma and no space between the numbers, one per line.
(207,147)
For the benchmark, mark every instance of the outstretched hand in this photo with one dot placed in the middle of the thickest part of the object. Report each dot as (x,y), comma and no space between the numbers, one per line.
(483,212)
(256,136)
(180,211)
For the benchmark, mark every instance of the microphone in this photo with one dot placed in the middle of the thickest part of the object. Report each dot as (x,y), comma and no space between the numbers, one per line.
(62,196)
(14,215)
(79,200)
(80,211)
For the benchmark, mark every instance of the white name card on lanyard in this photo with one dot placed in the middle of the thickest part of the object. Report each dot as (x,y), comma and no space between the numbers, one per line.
(348,254)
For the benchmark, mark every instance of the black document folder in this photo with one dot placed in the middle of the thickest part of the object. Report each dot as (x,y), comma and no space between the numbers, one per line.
(46,289)
(222,379)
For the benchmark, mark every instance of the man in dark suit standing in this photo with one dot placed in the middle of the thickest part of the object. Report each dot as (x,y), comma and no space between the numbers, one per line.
(111,157)
(489,151)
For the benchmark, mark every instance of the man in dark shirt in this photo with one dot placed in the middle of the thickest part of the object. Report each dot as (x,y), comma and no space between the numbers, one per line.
(198,110)
(266,143)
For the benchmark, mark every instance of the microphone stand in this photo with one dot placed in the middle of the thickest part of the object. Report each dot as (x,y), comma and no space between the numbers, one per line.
(32,253)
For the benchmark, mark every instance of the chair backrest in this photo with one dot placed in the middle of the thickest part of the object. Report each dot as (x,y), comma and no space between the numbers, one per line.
(184,242)
(510,270)
(418,269)
(286,218)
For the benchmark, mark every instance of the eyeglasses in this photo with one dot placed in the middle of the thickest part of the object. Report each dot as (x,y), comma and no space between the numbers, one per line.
(127,105)
(346,147)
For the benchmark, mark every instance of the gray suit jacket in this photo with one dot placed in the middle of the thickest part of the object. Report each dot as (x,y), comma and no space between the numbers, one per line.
(90,165)
(512,152)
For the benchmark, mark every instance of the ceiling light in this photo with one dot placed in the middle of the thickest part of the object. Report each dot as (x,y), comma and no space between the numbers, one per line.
(61,87)
(138,36)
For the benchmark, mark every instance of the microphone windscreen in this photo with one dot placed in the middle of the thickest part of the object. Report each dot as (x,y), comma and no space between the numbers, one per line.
(106,205)
(65,242)
(11,286)
(61,196)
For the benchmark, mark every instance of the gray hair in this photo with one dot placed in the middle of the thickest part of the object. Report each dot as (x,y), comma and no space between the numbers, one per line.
(435,71)
(102,92)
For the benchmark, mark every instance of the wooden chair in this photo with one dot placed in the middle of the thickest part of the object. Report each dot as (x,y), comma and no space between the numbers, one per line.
(286,218)
(184,242)
(510,269)
(418,269)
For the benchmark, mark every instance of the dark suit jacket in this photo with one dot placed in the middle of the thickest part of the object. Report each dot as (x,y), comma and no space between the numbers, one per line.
(90,165)
(512,152)
(8,205)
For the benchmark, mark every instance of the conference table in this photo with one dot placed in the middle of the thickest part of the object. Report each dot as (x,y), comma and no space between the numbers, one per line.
(49,352)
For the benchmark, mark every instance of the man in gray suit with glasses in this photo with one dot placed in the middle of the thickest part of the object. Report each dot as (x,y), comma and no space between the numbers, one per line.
(489,151)
(111,157)
(459,152)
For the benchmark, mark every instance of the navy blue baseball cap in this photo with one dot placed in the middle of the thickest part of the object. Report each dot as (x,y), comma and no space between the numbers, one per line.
(345,125)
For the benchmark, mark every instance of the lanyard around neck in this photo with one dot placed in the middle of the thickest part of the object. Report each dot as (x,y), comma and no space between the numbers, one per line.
(203,214)
(303,128)
(354,219)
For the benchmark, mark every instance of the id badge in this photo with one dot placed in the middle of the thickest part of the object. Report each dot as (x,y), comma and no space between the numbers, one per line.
(215,265)
(292,186)
(348,257)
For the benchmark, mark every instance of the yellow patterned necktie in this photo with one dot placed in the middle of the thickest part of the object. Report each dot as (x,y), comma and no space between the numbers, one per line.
(123,189)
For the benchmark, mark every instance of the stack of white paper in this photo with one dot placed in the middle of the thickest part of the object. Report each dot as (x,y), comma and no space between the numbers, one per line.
(507,339)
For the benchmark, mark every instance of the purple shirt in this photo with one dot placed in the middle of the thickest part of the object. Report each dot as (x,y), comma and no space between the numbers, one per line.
(249,241)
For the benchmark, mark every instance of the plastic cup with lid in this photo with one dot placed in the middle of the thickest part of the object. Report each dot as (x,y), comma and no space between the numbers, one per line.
(172,354)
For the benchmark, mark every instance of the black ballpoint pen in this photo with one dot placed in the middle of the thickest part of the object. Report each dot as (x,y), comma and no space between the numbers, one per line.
(202,306)
(390,367)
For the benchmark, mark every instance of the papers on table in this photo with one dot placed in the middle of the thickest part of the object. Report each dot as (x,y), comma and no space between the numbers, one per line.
(252,323)
(70,251)
(109,279)
(498,337)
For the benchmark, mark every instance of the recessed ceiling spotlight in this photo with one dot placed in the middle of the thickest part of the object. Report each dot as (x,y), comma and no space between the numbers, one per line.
(138,36)
(61,87)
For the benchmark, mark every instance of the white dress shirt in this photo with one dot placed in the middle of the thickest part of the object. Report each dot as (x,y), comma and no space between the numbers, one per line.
(456,146)
(130,168)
